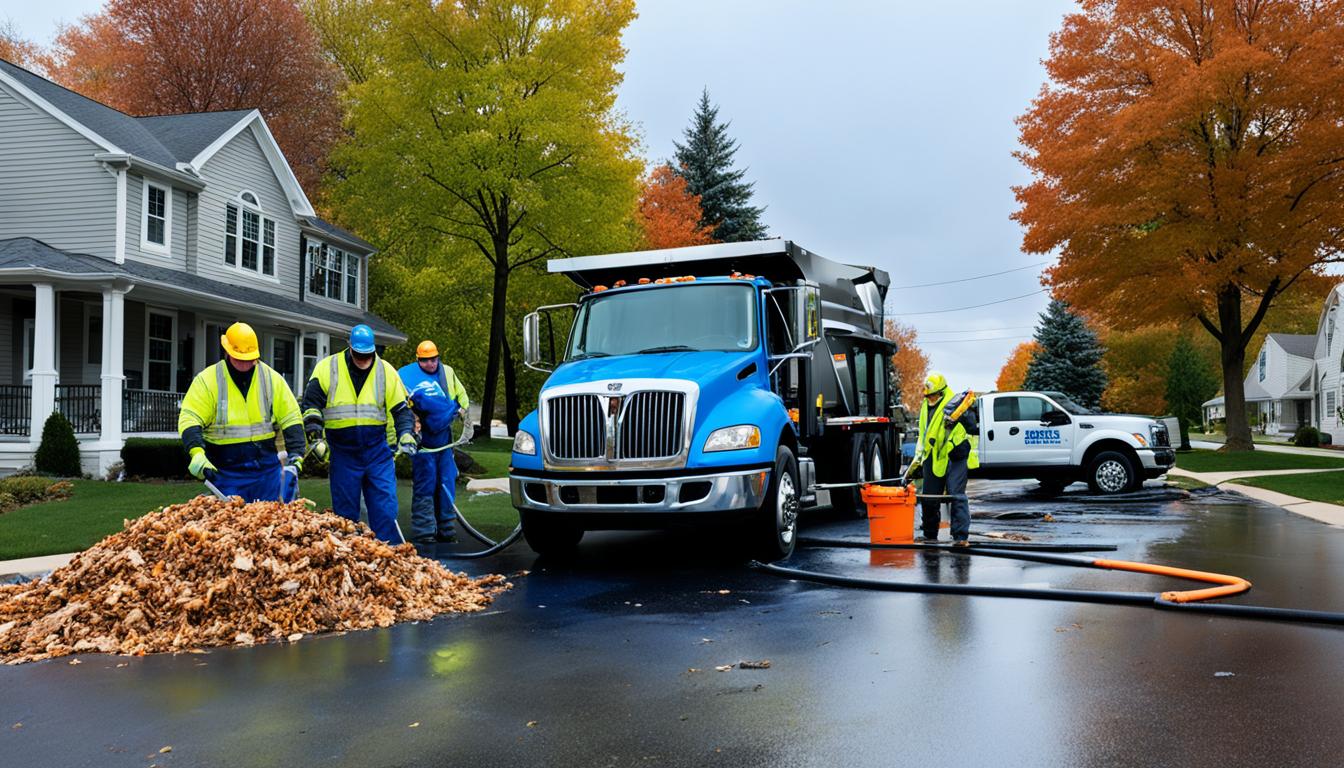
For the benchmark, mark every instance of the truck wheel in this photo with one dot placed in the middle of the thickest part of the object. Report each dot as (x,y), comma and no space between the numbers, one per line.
(849,500)
(549,537)
(1111,472)
(777,521)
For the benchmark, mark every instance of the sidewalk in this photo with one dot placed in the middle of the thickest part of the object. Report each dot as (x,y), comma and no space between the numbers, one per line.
(31,566)
(1331,514)
(1213,446)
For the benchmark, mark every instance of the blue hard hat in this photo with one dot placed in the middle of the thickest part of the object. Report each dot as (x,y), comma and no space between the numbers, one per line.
(361,339)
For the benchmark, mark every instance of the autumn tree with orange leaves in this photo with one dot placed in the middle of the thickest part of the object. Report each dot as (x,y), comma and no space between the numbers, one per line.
(909,365)
(1188,162)
(669,215)
(151,57)
(1014,370)
(14,48)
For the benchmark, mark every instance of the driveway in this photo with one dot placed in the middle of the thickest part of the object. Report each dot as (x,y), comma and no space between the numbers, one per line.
(591,664)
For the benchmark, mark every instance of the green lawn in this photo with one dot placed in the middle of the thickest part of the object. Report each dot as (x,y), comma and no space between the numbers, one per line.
(1213,461)
(1316,486)
(96,509)
(493,454)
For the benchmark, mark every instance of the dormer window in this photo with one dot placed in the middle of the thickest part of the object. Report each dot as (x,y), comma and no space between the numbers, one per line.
(1262,364)
(250,199)
(156,205)
(249,237)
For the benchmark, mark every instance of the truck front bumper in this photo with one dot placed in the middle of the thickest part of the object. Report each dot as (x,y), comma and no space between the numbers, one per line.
(1156,461)
(734,491)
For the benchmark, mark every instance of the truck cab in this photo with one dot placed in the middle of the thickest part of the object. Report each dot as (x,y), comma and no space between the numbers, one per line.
(704,385)
(1047,436)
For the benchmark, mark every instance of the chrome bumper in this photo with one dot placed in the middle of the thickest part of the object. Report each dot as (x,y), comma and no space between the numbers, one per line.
(732,491)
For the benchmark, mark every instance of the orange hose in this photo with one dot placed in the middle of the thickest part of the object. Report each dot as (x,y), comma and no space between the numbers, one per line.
(1231,585)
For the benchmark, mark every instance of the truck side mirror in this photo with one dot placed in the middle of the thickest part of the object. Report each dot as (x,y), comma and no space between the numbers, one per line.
(807,315)
(540,351)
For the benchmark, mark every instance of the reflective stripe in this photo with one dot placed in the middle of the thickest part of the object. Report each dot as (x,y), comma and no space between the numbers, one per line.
(222,429)
(375,413)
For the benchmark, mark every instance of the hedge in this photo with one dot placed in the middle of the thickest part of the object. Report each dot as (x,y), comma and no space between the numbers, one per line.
(155,457)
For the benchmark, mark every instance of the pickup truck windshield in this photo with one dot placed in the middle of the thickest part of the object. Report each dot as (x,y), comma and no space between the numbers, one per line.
(678,318)
(1069,405)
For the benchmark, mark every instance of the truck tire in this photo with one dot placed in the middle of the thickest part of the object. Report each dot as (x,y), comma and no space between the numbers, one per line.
(848,500)
(549,537)
(776,527)
(1112,472)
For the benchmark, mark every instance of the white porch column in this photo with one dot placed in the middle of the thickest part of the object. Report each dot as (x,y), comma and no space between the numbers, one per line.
(44,359)
(114,368)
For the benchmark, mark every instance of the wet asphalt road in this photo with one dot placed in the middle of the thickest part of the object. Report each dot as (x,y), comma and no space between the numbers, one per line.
(588,664)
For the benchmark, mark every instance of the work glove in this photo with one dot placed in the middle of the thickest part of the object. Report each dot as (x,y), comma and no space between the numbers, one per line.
(296,462)
(408,444)
(292,469)
(316,442)
(200,465)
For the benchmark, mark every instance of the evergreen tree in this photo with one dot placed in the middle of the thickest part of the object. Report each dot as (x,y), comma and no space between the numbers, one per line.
(1190,381)
(58,453)
(1069,359)
(705,161)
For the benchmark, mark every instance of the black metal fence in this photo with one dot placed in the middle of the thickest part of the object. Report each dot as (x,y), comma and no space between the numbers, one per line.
(146,410)
(16,408)
(82,405)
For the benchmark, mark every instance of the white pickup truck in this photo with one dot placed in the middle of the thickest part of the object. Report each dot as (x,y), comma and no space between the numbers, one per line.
(1047,436)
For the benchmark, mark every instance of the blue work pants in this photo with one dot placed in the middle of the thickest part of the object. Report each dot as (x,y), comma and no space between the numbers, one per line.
(951,484)
(366,471)
(256,481)
(435,491)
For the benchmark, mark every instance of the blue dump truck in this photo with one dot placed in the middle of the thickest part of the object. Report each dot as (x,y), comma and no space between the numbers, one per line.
(716,384)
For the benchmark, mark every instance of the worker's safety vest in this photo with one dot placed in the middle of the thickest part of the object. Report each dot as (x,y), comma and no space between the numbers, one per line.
(936,442)
(226,417)
(371,407)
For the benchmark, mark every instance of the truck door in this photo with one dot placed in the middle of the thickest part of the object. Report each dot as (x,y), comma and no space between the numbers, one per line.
(1015,436)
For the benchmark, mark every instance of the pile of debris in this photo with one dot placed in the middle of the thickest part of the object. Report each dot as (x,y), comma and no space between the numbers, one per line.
(212,572)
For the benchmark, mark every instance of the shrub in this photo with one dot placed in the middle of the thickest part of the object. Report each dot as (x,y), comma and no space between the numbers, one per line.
(1306,437)
(1327,438)
(58,454)
(20,491)
(155,457)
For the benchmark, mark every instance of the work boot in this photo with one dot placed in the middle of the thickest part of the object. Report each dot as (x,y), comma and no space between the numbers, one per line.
(427,538)
(961,544)
(925,538)
(446,538)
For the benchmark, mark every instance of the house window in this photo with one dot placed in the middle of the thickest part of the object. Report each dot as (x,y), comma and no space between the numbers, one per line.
(282,358)
(249,239)
(214,350)
(231,235)
(335,267)
(310,354)
(317,269)
(351,278)
(28,340)
(160,350)
(333,273)
(157,204)
(268,247)
(1262,365)
(1330,329)
(1330,401)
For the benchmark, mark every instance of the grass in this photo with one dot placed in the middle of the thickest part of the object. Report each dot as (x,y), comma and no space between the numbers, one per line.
(1186,483)
(96,509)
(1316,486)
(494,455)
(1213,461)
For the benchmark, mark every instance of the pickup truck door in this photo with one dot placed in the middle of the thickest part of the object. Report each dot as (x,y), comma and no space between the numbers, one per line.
(1015,435)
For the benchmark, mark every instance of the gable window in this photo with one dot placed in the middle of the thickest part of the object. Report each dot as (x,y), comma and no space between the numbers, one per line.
(333,273)
(317,268)
(1262,364)
(249,237)
(156,226)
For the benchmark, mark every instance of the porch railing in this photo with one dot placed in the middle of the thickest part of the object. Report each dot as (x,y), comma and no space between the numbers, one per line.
(82,405)
(16,409)
(144,410)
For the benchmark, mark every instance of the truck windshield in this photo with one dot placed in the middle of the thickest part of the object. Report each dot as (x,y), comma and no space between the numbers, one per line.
(674,319)
(1069,405)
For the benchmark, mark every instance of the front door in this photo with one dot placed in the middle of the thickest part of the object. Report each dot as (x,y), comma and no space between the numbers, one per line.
(93,343)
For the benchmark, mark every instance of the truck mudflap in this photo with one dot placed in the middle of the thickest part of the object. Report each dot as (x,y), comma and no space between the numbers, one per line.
(739,490)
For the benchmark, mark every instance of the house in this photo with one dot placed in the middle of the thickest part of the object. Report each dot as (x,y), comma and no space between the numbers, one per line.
(128,244)
(1279,391)
(1328,376)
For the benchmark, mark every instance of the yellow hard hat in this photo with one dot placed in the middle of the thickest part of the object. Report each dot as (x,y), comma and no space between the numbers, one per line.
(934,384)
(426,350)
(240,342)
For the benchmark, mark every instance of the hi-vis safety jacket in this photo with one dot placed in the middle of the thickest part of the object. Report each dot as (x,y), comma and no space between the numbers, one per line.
(356,419)
(937,442)
(234,427)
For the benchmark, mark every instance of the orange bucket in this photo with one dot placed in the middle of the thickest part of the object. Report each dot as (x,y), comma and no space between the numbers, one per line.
(891,513)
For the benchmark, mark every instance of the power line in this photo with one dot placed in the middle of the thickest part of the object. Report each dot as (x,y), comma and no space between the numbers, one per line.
(963,341)
(966,279)
(973,306)
(979,330)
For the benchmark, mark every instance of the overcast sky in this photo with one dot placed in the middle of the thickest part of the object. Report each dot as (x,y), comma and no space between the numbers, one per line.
(876,132)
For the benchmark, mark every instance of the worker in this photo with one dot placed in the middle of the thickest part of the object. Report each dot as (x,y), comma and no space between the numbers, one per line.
(354,407)
(946,452)
(229,419)
(437,397)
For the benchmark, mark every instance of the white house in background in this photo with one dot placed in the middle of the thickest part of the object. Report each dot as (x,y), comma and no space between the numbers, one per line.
(127,245)
(1328,375)
(1280,395)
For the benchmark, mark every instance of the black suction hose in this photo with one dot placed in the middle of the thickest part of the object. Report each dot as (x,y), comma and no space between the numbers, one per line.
(812,541)
(492,546)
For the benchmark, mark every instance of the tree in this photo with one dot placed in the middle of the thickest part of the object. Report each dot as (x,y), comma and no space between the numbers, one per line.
(1013,374)
(154,57)
(488,127)
(16,49)
(1186,164)
(706,162)
(669,215)
(1190,381)
(1069,359)
(909,365)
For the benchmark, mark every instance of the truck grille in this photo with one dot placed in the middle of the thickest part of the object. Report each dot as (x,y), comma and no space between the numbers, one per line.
(576,427)
(652,424)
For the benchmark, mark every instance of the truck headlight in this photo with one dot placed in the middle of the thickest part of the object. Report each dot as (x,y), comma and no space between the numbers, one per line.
(524,443)
(733,438)
(1143,441)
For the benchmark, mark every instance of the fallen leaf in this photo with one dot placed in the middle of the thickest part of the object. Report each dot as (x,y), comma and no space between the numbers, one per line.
(723,667)
(693,670)
(1224,674)
(122,664)
(296,637)
(242,562)
(16,726)
(414,725)
(704,640)
(73,662)
(762,664)
(165,750)
(531,723)
(725,591)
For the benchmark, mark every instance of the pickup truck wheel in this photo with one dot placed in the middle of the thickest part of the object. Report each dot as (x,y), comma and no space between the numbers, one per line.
(549,537)
(849,500)
(777,524)
(1111,472)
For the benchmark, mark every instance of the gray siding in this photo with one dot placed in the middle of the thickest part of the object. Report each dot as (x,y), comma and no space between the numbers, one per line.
(135,222)
(239,166)
(50,186)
